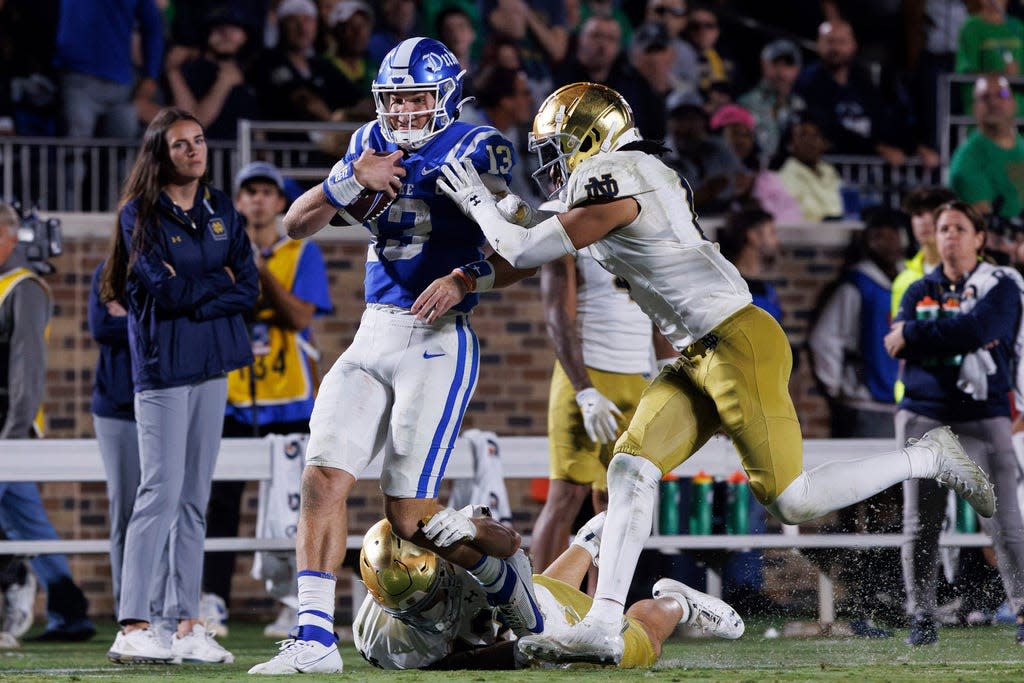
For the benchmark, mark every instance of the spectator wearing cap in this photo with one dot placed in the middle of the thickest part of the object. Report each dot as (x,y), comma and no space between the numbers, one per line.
(772,101)
(293,83)
(598,59)
(212,84)
(275,394)
(985,168)
(351,25)
(736,126)
(813,182)
(397,22)
(685,65)
(704,160)
(652,54)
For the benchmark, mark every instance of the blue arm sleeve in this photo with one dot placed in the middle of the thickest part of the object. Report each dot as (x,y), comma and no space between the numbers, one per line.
(178,295)
(241,296)
(152,38)
(995,316)
(105,328)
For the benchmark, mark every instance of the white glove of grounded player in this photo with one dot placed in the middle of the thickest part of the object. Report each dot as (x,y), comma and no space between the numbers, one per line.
(463,185)
(449,526)
(589,536)
(599,415)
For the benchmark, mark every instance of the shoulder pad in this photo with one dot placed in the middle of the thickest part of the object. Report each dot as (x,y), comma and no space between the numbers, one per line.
(490,151)
(613,175)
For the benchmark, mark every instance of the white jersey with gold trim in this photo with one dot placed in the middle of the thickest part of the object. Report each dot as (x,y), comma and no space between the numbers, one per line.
(389,643)
(614,333)
(678,278)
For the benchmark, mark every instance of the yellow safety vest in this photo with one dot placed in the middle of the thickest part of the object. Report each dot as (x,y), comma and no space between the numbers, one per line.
(281,365)
(7,284)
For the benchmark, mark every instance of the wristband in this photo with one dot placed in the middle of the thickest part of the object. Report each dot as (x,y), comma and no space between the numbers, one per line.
(466,279)
(482,272)
(341,186)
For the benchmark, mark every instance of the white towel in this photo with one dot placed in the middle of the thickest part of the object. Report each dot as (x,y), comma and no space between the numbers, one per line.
(974,372)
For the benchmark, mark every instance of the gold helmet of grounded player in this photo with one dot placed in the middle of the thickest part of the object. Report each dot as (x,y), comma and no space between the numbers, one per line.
(399,575)
(574,123)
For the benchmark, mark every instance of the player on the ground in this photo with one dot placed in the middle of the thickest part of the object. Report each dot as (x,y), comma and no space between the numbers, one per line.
(423,612)
(636,217)
(401,389)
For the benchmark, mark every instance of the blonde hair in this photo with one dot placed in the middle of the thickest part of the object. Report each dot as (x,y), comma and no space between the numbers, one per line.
(8,216)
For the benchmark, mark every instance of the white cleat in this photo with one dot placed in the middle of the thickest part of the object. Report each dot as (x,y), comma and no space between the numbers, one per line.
(283,625)
(141,646)
(519,611)
(19,599)
(301,657)
(957,471)
(584,642)
(199,647)
(707,612)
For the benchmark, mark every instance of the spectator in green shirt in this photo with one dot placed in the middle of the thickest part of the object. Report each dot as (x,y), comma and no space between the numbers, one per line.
(990,163)
(990,42)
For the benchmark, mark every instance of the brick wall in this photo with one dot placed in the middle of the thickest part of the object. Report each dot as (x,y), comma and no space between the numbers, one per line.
(510,399)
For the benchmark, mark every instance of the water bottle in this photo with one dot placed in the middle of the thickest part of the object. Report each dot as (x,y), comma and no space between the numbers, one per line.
(966,519)
(737,503)
(701,498)
(668,505)
(927,309)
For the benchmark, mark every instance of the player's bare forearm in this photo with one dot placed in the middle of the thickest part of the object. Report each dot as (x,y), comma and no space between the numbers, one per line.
(494,538)
(308,214)
(505,273)
(558,294)
(571,566)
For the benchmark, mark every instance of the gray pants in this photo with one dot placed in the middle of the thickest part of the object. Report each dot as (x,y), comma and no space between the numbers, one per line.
(179,438)
(119,446)
(94,106)
(988,443)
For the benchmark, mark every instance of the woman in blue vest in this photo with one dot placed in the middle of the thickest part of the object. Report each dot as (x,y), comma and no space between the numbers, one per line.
(956,331)
(182,264)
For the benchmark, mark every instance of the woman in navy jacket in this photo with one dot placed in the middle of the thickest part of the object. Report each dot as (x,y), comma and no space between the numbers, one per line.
(956,331)
(182,263)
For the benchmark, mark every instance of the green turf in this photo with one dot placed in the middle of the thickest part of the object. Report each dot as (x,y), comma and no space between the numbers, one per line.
(984,654)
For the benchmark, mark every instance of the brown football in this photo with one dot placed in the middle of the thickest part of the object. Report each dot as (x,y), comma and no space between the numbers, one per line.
(368,204)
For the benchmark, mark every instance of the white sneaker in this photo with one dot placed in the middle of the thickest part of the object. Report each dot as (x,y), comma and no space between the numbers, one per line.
(301,657)
(707,612)
(586,641)
(139,646)
(214,612)
(519,611)
(8,642)
(198,646)
(19,605)
(956,471)
(282,626)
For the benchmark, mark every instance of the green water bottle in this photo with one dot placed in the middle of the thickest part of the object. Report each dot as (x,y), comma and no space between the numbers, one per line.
(966,518)
(701,498)
(737,503)
(668,506)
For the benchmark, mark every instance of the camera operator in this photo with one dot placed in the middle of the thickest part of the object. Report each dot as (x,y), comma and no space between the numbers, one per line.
(25,306)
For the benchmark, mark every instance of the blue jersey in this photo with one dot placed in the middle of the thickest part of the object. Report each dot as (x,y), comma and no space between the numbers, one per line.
(423,235)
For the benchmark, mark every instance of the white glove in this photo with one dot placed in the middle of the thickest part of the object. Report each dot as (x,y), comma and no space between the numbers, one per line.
(589,536)
(449,526)
(513,209)
(599,415)
(463,185)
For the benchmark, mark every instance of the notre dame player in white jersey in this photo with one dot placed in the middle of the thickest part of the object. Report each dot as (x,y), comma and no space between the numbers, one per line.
(636,217)
(423,612)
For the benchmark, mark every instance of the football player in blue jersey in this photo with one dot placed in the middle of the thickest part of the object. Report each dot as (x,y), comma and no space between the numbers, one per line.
(401,389)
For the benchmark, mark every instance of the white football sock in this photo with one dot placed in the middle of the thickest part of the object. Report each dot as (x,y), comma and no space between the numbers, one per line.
(316,603)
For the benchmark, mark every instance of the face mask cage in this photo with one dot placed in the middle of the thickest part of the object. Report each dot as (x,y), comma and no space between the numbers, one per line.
(440,617)
(553,152)
(394,125)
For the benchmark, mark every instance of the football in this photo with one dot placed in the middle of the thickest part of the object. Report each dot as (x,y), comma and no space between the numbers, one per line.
(368,205)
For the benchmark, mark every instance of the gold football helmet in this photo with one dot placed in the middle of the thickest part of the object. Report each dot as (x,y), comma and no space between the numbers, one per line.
(408,582)
(576,122)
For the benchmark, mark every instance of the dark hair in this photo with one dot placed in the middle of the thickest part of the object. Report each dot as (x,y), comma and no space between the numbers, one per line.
(448,11)
(145,181)
(494,83)
(927,199)
(732,236)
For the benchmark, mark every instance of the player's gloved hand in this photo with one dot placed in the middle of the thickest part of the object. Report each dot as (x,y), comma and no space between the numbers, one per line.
(589,536)
(463,185)
(449,526)
(599,415)
(513,209)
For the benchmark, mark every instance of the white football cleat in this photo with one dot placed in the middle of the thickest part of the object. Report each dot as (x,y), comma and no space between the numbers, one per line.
(956,471)
(283,625)
(301,657)
(213,611)
(584,642)
(707,612)
(199,647)
(519,611)
(141,646)
(19,604)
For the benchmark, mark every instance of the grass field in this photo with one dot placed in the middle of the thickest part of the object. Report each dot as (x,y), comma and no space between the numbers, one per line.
(983,654)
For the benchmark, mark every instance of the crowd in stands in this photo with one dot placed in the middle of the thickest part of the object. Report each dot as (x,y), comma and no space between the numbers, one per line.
(813,78)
